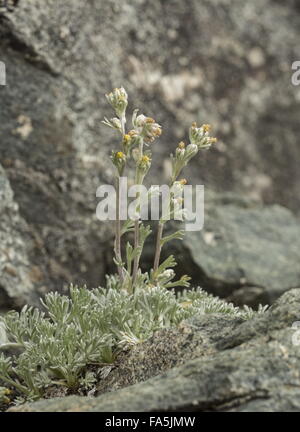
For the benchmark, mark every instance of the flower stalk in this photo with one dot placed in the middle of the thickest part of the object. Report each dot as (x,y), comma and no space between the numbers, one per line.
(143,133)
(138,181)
(199,139)
(118,252)
(118,99)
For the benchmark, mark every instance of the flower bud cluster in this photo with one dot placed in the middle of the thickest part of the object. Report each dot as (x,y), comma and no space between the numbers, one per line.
(118,99)
(200,136)
(146,127)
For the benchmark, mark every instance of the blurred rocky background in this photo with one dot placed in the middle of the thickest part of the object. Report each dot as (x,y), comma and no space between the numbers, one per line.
(223,62)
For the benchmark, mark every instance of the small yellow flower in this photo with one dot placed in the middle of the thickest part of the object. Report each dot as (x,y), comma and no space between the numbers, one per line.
(213,140)
(150,120)
(147,127)
(157,131)
(181,145)
(126,142)
(183,181)
(145,159)
(206,127)
(194,125)
(144,164)
(120,155)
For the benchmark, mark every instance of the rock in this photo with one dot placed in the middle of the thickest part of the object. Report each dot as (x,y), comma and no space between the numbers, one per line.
(16,284)
(245,252)
(233,366)
(229,66)
(168,348)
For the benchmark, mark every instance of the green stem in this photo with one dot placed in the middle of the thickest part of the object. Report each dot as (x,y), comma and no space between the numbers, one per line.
(118,252)
(136,245)
(136,261)
(160,230)
(158,245)
(123,121)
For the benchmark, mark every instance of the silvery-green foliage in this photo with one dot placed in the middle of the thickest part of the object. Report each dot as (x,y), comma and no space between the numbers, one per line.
(199,301)
(89,328)
(88,380)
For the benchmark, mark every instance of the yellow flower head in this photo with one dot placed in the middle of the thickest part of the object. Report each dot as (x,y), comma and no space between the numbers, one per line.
(157,131)
(147,127)
(181,145)
(183,181)
(150,120)
(206,127)
(144,164)
(145,159)
(120,155)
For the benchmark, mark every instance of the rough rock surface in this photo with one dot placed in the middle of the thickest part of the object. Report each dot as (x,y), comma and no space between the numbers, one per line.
(17,276)
(246,252)
(233,366)
(225,62)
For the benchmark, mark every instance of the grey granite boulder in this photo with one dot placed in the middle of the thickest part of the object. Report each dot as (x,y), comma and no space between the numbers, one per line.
(223,365)
(16,273)
(246,252)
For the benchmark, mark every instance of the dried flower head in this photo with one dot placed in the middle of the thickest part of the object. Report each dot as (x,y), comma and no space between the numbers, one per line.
(126,143)
(146,127)
(200,136)
(206,127)
(132,133)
